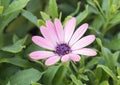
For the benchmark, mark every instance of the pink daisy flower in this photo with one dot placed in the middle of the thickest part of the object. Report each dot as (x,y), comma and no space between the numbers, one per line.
(63,44)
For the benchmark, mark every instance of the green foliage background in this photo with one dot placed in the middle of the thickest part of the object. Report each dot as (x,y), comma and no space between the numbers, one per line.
(21,19)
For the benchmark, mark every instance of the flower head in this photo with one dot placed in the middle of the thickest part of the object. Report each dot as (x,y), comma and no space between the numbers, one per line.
(64,43)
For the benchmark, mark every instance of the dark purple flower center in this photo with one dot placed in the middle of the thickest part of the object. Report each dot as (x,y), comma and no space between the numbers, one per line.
(62,49)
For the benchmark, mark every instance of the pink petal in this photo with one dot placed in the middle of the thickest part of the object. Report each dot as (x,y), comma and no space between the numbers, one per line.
(65,58)
(75,57)
(47,35)
(59,30)
(52,60)
(52,29)
(85,41)
(36,55)
(86,51)
(42,42)
(69,29)
(78,33)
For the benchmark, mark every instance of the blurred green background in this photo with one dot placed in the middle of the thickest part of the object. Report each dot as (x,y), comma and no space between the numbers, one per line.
(21,19)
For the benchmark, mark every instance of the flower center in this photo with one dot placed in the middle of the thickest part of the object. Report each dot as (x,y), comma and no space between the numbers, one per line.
(62,49)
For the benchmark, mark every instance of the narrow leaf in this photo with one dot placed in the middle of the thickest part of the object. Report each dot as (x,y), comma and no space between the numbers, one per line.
(45,16)
(53,8)
(99,42)
(15,6)
(28,15)
(77,9)
(104,83)
(34,83)
(40,22)
(16,47)
(8,83)
(108,71)
(50,74)
(75,80)
(7,19)
(61,73)
(16,61)
(80,17)
(94,61)
(1,9)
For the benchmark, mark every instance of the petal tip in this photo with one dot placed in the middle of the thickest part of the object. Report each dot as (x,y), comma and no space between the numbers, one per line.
(52,60)
(32,56)
(73,19)
(49,64)
(86,24)
(93,36)
(95,53)
(34,38)
(75,58)
(56,19)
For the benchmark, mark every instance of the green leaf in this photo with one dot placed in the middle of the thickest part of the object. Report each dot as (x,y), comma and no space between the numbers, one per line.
(25,77)
(115,57)
(100,21)
(99,7)
(82,62)
(80,17)
(7,19)
(60,16)
(15,38)
(114,44)
(1,9)
(104,83)
(106,6)
(15,6)
(41,22)
(115,19)
(52,74)
(16,61)
(34,83)
(118,71)
(32,47)
(4,54)
(8,83)
(75,80)
(110,58)
(16,47)
(90,72)
(99,42)
(35,6)
(84,77)
(1,39)
(77,9)
(92,7)
(53,8)
(108,71)
(66,9)
(98,74)
(5,3)
(61,73)
(74,67)
(94,61)
(107,55)
(45,16)
(28,15)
